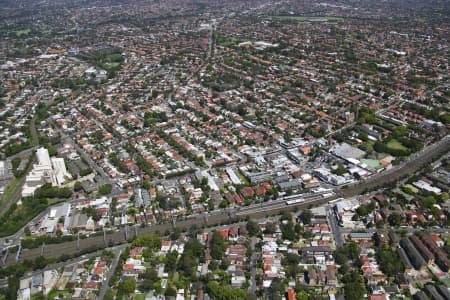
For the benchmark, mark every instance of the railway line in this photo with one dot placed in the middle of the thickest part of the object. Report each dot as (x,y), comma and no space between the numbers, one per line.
(259,210)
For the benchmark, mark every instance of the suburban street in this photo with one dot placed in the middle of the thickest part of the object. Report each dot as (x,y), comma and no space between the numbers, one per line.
(256,211)
(105,285)
(253,266)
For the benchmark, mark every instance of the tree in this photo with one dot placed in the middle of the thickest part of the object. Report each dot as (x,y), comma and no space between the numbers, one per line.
(354,286)
(170,292)
(149,278)
(270,228)
(13,286)
(277,288)
(362,211)
(218,291)
(288,232)
(306,216)
(187,263)
(395,219)
(105,189)
(252,228)
(218,246)
(291,259)
(109,295)
(171,261)
(152,241)
(77,186)
(127,286)
(40,262)
(389,261)
(196,248)
(175,235)
(302,295)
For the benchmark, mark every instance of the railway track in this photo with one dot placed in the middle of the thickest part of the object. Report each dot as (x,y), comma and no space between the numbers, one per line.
(256,211)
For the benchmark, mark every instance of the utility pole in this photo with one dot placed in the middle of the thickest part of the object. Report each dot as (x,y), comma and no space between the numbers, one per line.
(18,252)
(5,256)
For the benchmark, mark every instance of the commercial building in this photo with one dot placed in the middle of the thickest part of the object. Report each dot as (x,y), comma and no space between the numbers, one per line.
(46,170)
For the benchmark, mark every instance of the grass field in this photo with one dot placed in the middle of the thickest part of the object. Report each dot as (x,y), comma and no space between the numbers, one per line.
(228,42)
(54,294)
(396,145)
(23,32)
(241,177)
(112,65)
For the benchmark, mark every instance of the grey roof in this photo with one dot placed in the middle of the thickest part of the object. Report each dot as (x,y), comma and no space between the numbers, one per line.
(361,235)
(61,210)
(281,178)
(145,197)
(138,201)
(37,280)
(346,151)
(257,177)
(317,249)
(444,291)
(79,220)
(391,289)
(404,258)
(414,255)
(433,292)
(420,295)
(292,184)
(393,236)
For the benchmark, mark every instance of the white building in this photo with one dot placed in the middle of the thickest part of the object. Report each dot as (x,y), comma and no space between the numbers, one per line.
(59,170)
(45,171)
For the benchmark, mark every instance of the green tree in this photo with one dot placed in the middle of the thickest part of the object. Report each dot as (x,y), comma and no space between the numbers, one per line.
(362,211)
(291,259)
(389,261)
(127,286)
(395,219)
(170,292)
(306,216)
(302,295)
(218,246)
(105,189)
(152,241)
(270,228)
(109,295)
(171,261)
(354,288)
(252,228)
(77,186)
(149,278)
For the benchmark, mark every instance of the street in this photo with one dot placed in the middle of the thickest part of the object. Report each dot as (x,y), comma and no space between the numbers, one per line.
(256,211)
(105,285)
(253,266)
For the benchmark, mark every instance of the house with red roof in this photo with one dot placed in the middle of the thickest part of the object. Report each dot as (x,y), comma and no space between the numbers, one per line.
(377,297)
(136,252)
(224,233)
(291,294)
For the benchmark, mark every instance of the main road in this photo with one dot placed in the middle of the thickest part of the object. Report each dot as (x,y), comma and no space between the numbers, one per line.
(254,211)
